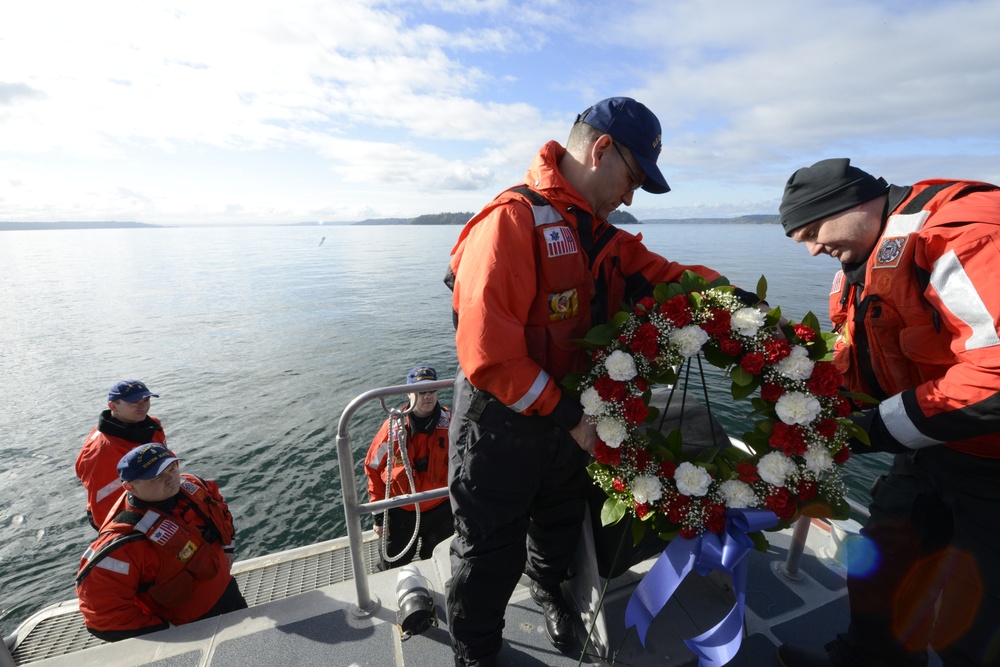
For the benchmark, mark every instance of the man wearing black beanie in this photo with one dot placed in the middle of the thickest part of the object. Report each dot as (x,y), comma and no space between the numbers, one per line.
(916,307)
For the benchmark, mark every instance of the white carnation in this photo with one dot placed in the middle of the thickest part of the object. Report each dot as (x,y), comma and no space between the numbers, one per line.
(746,321)
(795,407)
(646,489)
(797,365)
(592,403)
(774,468)
(611,431)
(818,459)
(621,366)
(738,494)
(692,480)
(688,340)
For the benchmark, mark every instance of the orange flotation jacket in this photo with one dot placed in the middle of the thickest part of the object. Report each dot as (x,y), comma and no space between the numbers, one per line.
(189,544)
(428,454)
(921,332)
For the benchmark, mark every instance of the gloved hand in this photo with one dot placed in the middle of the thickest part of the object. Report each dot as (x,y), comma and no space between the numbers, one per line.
(870,421)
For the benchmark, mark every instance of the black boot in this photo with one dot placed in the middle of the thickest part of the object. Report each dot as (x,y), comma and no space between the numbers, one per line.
(558,617)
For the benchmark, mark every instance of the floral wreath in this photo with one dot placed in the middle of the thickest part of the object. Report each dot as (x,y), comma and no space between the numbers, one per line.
(799,441)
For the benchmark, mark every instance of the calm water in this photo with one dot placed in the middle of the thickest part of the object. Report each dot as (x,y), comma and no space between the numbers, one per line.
(256,339)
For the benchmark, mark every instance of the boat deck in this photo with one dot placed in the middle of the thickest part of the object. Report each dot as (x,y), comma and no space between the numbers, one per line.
(303,612)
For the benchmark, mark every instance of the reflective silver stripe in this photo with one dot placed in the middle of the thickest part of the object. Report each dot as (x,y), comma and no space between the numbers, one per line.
(113,564)
(901,225)
(537,387)
(147,521)
(959,296)
(545,215)
(901,427)
(88,554)
(108,489)
(383,450)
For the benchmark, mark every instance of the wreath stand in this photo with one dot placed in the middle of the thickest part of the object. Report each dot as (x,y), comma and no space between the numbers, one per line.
(607,566)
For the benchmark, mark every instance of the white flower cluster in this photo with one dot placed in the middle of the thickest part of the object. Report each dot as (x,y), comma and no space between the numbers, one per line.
(746,321)
(688,340)
(692,480)
(775,468)
(611,431)
(797,365)
(591,401)
(646,489)
(818,459)
(621,366)
(796,407)
(738,494)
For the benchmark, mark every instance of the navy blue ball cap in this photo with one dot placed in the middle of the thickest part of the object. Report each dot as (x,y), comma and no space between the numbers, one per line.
(129,391)
(634,126)
(145,462)
(421,374)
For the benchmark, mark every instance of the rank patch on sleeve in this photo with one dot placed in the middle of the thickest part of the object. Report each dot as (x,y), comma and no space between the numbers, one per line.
(889,252)
(560,241)
(563,305)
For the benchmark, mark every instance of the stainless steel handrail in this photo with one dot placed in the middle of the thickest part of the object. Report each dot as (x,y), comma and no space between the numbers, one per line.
(790,568)
(367,605)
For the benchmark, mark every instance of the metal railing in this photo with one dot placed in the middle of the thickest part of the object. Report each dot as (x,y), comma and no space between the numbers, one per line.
(353,509)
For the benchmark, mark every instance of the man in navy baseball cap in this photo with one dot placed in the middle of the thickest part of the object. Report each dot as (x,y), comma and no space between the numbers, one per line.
(130,391)
(145,462)
(636,128)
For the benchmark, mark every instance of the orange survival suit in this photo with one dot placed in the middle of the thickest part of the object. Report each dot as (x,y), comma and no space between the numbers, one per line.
(148,567)
(531,292)
(918,321)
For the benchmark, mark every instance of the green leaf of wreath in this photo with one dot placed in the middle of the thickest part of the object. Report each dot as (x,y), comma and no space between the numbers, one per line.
(666,291)
(612,511)
(762,290)
(692,282)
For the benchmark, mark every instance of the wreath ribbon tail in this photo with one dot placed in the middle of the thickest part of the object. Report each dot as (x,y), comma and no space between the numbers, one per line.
(659,584)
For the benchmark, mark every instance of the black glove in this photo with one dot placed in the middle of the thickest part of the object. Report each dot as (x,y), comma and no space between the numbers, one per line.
(881,439)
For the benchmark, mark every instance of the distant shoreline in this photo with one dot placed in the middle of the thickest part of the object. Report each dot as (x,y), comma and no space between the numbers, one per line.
(445,219)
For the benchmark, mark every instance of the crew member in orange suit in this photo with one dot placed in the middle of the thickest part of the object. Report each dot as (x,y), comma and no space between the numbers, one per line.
(532,273)
(125,424)
(163,556)
(424,429)
(917,306)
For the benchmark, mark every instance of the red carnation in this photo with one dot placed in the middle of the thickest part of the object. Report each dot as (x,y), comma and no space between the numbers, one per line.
(782,503)
(771,392)
(752,363)
(747,472)
(807,490)
(715,517)
(717,323)
(641,384)
(677,311)
(776,349)
(667,469)
(644,341)
(609,456)
(641,509)
(635,411)
(843,408)
(678,509)
(788,438)
(825,379)
(610,390)
(841,457)
(645,305)
(807,334)
(827,428)
(730,346)
(688,533)
(617,484)
(640,458)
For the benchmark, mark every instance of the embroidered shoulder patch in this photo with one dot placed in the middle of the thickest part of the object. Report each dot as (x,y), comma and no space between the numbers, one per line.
(184,555)
(838,283)
(890,252)
(560,241)
(188,486)
(164,532)
(563,305)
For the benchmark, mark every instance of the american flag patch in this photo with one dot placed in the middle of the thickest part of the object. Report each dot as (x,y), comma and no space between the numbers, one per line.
(164,532)
(560,241)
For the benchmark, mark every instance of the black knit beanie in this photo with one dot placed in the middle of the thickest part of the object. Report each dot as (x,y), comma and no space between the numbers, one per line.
(827,187)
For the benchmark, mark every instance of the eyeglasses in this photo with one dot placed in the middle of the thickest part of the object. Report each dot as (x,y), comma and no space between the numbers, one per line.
(426,393)
(638,182)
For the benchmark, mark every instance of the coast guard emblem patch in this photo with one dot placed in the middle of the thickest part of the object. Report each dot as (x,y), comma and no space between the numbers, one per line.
(560,241)
(890,252)
(563,305)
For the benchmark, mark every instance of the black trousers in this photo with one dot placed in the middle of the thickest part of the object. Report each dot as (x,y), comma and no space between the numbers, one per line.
(517,492)
(928,572)
(436,525)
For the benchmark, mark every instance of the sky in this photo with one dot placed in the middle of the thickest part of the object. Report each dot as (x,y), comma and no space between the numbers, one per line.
(276,111)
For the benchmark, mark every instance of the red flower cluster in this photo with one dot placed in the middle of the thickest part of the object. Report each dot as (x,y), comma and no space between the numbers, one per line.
(717,323)
(644,341)
(776,349)
(609,456)
(825,380)
(715,516)
(635,410)
(730,346)
(782,503)
(610,390)
(677,311)
(807,334)
(788,438)
(752,363)
(772,392)
(645,305)
(747,472)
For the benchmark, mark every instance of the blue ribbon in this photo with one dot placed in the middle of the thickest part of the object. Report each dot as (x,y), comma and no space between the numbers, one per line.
(703,554)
